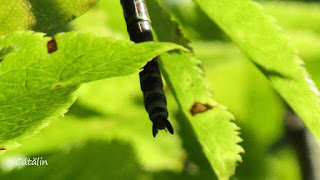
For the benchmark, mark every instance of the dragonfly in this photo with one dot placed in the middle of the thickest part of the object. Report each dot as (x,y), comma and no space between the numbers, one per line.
(140,30)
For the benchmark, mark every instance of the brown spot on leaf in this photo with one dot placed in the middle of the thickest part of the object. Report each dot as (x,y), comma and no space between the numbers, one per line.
(3,148)
(199,108)
(57,86)
(52,46)
(1,60)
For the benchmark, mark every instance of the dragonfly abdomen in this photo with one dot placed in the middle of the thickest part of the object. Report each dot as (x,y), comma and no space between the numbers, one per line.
(140,30)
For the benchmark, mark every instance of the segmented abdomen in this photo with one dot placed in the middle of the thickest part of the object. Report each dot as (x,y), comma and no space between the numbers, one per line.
(139,28)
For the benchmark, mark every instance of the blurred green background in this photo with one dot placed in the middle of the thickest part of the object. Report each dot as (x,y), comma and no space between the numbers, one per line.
(107,134)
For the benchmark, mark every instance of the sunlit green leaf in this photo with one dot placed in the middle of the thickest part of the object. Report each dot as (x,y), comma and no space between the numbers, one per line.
(260,38)
(40,75)
(40,15)
(210,121)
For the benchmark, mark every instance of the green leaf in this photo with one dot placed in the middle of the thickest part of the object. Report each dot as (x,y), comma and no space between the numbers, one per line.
(210,121)
(194,23)
(40,15)
(262,41)
(255,105)
(214,128)
(37,85)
